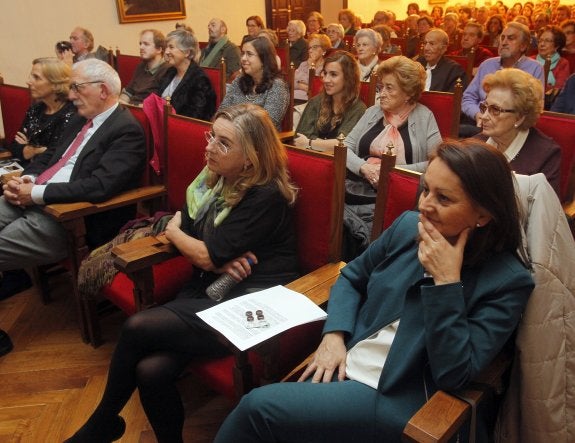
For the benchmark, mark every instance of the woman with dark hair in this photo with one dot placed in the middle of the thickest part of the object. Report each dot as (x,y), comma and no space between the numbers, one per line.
(494,28)
(336,109)
(427,307)
(260,82)
(190,90)
(47,118)
(238,212)
(254,24)
(347,19)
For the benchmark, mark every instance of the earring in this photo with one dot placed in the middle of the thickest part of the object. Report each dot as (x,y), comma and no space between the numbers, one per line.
(478,225)
(516,125)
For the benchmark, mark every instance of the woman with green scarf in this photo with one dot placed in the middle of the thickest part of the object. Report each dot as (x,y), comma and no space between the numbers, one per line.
(237,219)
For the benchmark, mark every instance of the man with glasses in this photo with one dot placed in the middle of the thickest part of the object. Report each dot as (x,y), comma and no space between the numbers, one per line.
(101,154)
(513,44)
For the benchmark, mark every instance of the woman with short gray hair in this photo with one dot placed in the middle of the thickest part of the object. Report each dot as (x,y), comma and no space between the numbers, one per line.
(185,83)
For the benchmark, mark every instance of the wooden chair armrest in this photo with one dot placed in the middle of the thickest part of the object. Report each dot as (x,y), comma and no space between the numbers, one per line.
(443,414)
(286,136)
(142,253)
(317,284)
(69,211)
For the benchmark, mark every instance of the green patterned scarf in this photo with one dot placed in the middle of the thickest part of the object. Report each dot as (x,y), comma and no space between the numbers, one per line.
(199,198)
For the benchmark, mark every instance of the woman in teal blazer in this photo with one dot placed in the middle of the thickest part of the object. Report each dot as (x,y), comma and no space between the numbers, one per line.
(427,306)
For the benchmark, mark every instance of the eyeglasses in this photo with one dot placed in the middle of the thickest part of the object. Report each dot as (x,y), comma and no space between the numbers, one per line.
(76,87)
(314,46)
(493,109)
(212,141)
(547,40)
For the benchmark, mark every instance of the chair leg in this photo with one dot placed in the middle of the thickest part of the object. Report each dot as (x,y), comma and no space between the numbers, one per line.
(41,276)
(93,329)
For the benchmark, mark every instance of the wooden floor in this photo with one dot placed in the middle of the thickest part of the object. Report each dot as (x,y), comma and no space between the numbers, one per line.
(51,381)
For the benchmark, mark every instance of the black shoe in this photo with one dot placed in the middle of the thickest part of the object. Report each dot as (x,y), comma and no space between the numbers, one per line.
(14,282)
(113,431)
(5,343)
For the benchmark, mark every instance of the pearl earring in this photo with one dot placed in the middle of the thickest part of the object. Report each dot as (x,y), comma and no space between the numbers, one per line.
(478,225)
(516,125)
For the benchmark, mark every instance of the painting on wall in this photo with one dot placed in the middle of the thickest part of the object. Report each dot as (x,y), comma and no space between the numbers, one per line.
(131,11)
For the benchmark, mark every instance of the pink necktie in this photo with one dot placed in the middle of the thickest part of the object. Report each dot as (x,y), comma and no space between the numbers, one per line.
(51,171)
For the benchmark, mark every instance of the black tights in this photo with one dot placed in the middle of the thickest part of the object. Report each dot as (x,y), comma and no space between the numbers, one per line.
(154,348)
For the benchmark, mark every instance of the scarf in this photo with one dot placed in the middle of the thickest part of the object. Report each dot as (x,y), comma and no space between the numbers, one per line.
(554,60)
(366,70)
(390,135)
(199,198)
(211,56)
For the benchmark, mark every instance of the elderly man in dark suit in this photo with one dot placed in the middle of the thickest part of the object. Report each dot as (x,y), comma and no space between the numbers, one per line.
(102,154)
(442,73)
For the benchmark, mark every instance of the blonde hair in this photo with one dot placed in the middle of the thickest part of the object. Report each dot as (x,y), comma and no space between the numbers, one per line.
(526,90)
(410,75)
(57,73)
(261,145)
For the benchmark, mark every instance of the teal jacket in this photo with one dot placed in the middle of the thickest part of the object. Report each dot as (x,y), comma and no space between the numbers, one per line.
(447,333)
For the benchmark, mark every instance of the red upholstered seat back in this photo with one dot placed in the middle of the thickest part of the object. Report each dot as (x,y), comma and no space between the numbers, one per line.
(401,196)
(283,54)
(15,101)
(315,87)
(441,104)
(561,128)
(139,114)
(314,176)
(126,66)
(218,83)
(186,148)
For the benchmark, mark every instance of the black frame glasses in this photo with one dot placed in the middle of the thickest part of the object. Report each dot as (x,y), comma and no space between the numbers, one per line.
(76,87)
(493,110)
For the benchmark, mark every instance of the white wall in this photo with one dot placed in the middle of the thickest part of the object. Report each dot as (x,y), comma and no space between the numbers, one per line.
(30,28)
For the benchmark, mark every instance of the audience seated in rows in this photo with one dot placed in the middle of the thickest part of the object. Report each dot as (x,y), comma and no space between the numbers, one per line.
(398,123)
(190,91)
(260,82)
(149,72)
(220,46)
(513,103)
(442,73)
(101,153)
(237,210)
(514,43)
(336,109)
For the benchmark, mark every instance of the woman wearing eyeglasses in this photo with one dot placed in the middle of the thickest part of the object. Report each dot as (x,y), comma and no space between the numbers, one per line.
(237,210)
(511,108)
(318,45)
(549,45)
(260,82)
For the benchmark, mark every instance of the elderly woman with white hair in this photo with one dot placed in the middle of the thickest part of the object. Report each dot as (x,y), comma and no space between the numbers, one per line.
(298,49)
(335,33)
(368,44)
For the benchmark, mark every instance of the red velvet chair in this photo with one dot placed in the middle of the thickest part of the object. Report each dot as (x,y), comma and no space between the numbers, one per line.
(15,101)
(217,78)
(126,66)
(396,193)
(446,107)
(319,225)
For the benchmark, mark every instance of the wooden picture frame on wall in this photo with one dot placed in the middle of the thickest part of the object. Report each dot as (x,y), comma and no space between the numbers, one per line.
(132,11)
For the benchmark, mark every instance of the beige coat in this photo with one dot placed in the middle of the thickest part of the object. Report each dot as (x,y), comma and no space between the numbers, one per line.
(540,403)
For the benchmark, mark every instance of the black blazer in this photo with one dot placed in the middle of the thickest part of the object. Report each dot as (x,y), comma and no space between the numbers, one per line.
(445,75)
(194,97)
(111,162)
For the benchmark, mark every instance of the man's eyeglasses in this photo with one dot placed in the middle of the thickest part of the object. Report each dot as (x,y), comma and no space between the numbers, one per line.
(212,141)
(494,110)
(78,86)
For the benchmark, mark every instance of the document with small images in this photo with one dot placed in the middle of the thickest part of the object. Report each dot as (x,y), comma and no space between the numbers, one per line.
(253,318)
